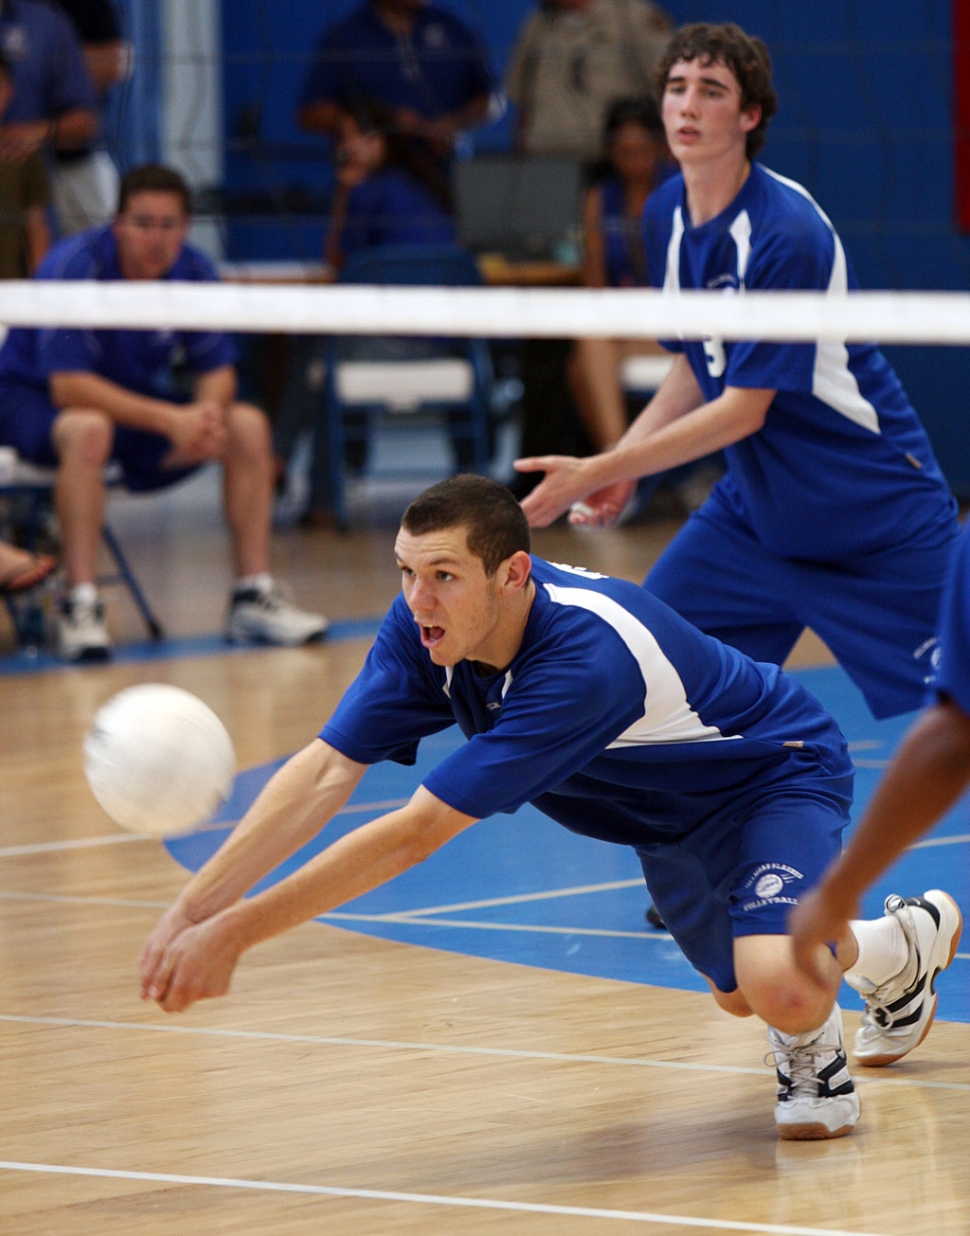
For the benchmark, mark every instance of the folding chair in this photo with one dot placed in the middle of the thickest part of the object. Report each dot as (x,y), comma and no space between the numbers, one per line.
(27,492)
(453,381)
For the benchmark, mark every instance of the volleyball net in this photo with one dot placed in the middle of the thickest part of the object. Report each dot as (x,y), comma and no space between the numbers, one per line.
(492,312)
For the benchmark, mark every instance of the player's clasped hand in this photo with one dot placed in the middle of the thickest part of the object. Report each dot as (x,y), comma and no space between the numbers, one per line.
(567,486)
(182,962)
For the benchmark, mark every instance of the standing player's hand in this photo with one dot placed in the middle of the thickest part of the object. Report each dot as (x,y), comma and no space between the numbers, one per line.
(817,922)
(604,507)
(564,483)
(196,964)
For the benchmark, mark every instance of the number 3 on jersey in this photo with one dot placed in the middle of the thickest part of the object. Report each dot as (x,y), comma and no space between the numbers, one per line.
(716,358)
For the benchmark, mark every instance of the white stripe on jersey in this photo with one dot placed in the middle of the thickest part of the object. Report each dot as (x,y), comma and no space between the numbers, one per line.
(832,380)
(667,716)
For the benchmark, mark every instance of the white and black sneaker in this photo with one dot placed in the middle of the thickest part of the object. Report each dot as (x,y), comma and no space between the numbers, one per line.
(816,1097)
(81,633)
(264,615)
(899,1014)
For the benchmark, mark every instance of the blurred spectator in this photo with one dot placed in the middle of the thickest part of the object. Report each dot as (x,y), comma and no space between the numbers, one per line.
(572,59)
(76,399)
(415,57)
(614,256)
(24,195)
(85,180)
(390,191)
(54,101)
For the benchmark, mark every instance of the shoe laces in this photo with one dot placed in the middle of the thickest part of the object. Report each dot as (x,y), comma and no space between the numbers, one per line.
(797,1063)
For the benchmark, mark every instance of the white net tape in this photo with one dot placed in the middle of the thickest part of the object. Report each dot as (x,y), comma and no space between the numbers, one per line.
(495,312)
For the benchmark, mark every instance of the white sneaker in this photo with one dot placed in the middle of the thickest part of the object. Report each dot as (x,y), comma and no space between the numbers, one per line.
(899,1014)
(81,633)
(816,1095)
(266,616)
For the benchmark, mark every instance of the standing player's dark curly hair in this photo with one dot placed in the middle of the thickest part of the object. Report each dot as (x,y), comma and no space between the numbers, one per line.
(744,54)
(494,522)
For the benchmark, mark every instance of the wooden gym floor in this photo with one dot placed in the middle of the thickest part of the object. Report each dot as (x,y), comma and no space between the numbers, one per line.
(355,1084)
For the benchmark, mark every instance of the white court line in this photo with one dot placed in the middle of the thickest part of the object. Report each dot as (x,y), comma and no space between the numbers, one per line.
(405,919)
(457,1049)
(576,891)
(428,1199)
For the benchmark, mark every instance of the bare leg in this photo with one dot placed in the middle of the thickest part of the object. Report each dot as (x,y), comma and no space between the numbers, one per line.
(248,488)
(82,439)
(594,372)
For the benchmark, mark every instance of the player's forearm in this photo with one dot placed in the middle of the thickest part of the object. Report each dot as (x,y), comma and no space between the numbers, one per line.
(220,385)
(927,776)
(89,390)
(355,864)
(72,129)
(689,436)
(291,809)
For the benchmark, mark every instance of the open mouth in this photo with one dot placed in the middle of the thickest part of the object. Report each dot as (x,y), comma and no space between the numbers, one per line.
(431,636)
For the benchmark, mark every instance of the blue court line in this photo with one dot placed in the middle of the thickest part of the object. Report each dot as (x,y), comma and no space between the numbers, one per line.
(522,889)
(42,660)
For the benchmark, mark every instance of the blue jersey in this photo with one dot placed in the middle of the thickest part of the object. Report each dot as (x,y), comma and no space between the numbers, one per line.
(46,60)
(623,254)
(842,465)
(953,675)
(139,360)
(435,71)
(394,208)
(616,717)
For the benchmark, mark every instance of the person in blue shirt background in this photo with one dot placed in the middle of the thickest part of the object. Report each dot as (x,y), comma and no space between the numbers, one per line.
(415,57)
(833,512)
(594,701)
(79,398)
(54,100)
(928,773)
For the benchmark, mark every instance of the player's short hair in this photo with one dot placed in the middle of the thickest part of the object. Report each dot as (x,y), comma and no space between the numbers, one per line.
(744,54)
(153,178)
(495,524)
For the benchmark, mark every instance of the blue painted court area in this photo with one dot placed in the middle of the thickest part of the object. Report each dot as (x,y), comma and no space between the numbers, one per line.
(522,889)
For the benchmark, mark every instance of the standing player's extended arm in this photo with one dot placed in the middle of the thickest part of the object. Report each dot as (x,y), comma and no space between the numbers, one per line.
(674,428)
(927,775)
(193,950)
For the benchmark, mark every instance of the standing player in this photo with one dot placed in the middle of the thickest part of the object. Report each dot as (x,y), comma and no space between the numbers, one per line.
(928,774)
(597,703)
(834,513)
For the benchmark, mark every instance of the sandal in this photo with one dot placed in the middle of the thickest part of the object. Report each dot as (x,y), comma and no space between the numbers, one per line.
(20,578)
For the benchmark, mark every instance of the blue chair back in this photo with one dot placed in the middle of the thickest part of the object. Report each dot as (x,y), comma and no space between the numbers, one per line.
(441,265)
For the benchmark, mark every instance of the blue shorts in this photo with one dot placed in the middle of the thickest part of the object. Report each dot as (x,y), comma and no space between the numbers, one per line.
(876,613)
(27,418)
(740,872)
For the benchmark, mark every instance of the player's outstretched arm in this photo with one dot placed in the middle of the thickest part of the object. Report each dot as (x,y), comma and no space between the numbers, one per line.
(736,413)
(199,961)
(292,807)
(928,774)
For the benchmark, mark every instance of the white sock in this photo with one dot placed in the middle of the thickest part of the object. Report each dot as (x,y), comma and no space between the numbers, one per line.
(883,952)
(262,582)
(84,594)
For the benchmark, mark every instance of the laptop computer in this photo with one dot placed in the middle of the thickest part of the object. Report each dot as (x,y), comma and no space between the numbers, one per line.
(526,208)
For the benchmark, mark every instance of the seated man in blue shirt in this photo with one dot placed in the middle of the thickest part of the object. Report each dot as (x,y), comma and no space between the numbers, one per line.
(415,57)
(79,398)
(591,699)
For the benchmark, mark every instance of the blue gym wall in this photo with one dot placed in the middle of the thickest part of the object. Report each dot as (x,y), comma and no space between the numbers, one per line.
(864,123)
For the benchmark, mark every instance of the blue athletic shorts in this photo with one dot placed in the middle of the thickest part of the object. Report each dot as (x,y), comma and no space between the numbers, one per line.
(876,613)
(741,871)
(27,417)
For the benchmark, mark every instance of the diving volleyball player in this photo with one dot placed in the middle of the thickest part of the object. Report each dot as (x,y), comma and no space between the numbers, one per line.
(594,701)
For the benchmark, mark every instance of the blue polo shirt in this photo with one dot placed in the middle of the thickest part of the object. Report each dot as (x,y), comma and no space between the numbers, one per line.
(138,360)
(435,71)
(393,208)
(44,52)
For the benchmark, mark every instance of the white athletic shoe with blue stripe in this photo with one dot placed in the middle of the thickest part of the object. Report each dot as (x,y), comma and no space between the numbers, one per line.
(899,1014)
